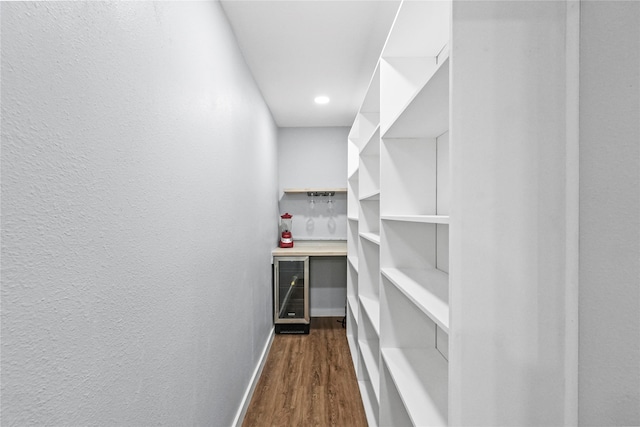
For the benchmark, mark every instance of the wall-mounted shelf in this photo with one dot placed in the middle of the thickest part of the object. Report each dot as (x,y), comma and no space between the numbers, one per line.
(322,191)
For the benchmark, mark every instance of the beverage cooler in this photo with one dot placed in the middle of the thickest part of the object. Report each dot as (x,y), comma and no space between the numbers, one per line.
(291,295)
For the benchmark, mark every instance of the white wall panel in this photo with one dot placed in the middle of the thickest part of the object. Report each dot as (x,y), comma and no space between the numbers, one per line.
(139,191)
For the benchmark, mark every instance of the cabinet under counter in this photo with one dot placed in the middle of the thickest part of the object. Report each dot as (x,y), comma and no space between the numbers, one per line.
(327,274)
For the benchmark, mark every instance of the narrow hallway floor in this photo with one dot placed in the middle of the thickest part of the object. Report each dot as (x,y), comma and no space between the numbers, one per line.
(308,380)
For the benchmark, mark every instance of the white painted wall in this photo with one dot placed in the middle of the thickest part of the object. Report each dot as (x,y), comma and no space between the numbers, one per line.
(328,286)
(609,368)
(136,281)
(314,157)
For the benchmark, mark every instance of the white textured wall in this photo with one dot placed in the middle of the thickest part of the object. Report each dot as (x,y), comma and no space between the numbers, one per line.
(609,368)
(135,244)
(311,158)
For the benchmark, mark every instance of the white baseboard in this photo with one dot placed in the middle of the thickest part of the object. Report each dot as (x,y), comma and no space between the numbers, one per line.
(246,399)
(327,312)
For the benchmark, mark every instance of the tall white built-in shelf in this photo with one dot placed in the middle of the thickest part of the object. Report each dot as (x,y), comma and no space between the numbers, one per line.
(363,284)
(402,198)
(353,208)
(465,149)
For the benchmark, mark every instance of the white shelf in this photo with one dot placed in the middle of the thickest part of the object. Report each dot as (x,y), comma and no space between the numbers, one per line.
(372,309)
(421,378)
(352,218)
(429,219)
(353,349)
(315,190)
(369,177)
(370,411)
(352,300)
(354,261)
(427,112)
(410,169)
(371,362)
(352,336)
(374,195)
(371,146)
(363,129)
(371,102)
(427,288)
(373,238)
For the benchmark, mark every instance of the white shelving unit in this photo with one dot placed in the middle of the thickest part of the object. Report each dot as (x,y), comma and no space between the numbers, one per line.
(455,219)
(414,208)
(353,208)
(402,197)
(363,284)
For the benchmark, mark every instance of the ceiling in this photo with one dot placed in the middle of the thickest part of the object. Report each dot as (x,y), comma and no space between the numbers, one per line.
(300,49)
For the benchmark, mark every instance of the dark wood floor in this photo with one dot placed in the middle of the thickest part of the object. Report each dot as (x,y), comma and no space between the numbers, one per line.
(308,380)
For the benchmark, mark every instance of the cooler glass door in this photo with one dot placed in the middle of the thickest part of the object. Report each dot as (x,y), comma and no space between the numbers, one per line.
(291,290)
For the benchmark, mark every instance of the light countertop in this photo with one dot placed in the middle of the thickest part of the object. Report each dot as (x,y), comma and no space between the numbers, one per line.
(313,248)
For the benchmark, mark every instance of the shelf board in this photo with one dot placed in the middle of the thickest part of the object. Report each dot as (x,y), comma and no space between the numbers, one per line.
(352,218)
(421,378)
(353,132)
(363,128)
(353,349)
(370,148)
(369,410)
(427,112)
(374,195)
(353,305)
(373,238)
(371,365)
(429,219)
(371,102)
(314,190)
(427,288)
(372,308)
(354,176)
(353,260)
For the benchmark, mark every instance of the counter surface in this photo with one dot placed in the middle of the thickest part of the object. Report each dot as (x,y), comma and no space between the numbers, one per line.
(313,248)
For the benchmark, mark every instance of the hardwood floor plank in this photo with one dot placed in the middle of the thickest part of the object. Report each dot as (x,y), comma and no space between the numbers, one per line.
(308,380)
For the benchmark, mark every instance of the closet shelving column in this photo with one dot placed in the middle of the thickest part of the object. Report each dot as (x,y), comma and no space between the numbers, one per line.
(369,249)
(414,212)
(510,298)
(353,207)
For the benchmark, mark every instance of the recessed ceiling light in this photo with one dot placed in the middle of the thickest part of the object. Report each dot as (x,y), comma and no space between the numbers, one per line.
(321,100)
